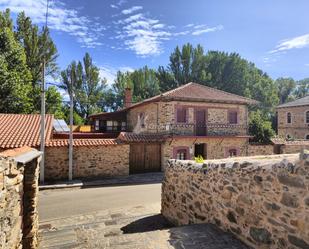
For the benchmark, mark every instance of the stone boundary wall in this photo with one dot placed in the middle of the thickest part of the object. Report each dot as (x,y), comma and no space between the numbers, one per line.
(264,201)
(18,202)
(260,149)
(88,161)
(293,148)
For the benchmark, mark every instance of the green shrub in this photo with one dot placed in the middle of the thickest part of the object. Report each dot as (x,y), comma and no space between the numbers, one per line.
(199,159)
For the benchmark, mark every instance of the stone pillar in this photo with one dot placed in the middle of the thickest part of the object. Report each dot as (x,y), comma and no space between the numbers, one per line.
(30,213)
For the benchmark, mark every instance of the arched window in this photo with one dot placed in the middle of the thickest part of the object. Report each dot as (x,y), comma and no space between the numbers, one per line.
(289,118)
(307,117)
(307,137)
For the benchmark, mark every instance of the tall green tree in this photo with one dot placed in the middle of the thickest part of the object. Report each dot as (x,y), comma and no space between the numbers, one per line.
(186,64)
(83,80)
(54,102)
(302,88)
(260,128)
(15,78)
(285,86)
(39,47)
(143,82)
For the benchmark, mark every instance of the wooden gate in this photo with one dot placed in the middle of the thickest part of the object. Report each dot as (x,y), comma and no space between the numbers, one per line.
(145,158)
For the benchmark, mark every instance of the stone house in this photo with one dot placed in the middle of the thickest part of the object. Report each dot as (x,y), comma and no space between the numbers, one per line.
(183,123)
(293,119)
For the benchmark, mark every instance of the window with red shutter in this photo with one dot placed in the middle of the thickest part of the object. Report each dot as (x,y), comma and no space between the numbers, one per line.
(181,115)
(233,117)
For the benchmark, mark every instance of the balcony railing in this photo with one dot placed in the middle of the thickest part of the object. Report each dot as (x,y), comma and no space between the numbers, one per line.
(208,129)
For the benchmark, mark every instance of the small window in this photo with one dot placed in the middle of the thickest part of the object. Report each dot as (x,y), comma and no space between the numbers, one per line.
(233,117)
(181,115)
(97,125)
(181,154)
(142,119)
(111,125)
(307,117)
(232,152)
(123,126)
(307,137)
(289,118)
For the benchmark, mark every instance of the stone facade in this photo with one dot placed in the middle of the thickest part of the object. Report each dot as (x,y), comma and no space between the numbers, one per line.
(261,149)
(160,117)
(18,203)
(263,201)
(298,128)
(88,161)
(216,148)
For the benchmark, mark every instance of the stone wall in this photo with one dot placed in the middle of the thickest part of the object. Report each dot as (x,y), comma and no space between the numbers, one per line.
(261,149)
(216,148)
(297,129)
(294,147)
(88,161)
(18,201)
(263,201)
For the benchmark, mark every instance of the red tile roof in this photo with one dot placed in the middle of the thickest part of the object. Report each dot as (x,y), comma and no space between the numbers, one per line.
(205,93)
(144,138)
(197,92)
(189,92)
(82,142)
(17,130)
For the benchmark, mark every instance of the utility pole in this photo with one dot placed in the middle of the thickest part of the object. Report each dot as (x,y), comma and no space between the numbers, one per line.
(42,164)
(71,131)
(42,125)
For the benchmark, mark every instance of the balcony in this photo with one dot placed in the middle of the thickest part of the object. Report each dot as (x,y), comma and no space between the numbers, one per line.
(208,129)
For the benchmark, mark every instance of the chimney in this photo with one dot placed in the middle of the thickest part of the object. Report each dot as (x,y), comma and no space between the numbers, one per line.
(127,97)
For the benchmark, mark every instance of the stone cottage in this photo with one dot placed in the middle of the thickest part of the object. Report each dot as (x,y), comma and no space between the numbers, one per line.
(191,120)
(293,119)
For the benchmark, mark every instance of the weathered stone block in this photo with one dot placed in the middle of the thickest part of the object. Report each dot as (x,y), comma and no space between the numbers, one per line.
(291,181)
(289,200)
(260,235)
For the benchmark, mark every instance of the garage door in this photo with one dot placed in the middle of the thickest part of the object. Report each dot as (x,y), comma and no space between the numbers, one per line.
(145,158)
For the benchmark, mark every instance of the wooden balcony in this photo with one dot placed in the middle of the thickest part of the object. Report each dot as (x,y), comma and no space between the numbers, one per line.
(208,129)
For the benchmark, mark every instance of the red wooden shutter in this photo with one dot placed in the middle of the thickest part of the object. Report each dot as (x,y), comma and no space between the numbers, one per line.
(181,115)
(233,117)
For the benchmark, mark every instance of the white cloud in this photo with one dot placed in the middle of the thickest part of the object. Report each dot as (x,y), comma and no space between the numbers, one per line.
(142,35)
(110,73)
(114,6)
(296,42)
(60,18)
(131,10)
(189,25)
(201,30)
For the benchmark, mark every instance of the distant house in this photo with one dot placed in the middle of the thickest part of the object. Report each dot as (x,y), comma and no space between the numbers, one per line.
(293,119)
(189,121)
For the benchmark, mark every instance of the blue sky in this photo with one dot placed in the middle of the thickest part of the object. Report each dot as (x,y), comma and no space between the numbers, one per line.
(125,34)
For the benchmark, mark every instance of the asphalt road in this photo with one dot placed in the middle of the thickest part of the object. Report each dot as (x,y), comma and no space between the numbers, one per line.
(55,204)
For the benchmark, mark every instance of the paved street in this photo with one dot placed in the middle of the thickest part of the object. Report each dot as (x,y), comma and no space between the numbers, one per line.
(122,217)
(54,204)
